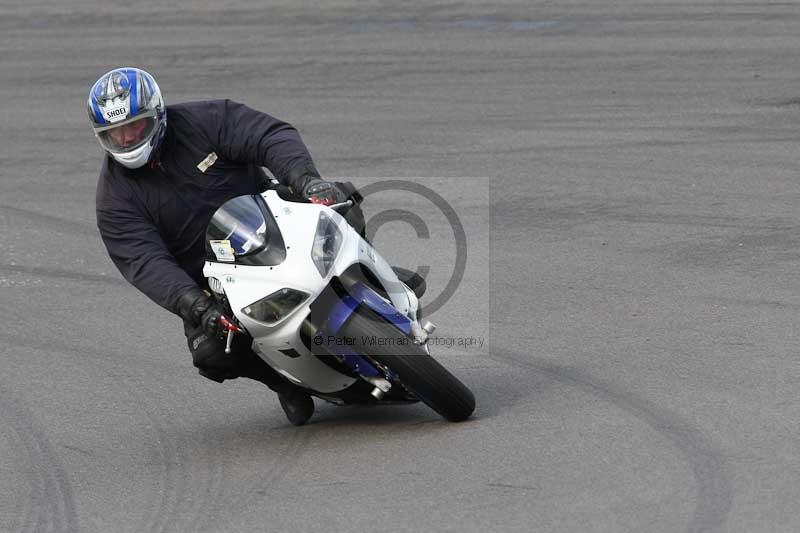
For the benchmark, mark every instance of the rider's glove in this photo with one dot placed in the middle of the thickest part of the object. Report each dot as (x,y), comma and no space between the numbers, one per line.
(200,309)
(319,191)
(305,183)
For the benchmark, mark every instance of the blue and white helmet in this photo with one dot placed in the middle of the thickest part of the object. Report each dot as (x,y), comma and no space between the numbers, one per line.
(128,115)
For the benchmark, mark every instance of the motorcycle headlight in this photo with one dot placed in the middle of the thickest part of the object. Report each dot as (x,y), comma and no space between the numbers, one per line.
(327,241)
(274,307)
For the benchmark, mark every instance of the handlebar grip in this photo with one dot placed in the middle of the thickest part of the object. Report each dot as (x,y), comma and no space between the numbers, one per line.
(350,191)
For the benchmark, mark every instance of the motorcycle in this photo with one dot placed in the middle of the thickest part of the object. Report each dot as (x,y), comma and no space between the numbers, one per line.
(322,306)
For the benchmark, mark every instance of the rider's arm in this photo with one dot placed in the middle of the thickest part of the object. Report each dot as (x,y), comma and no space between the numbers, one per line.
(138,251)
(248,136)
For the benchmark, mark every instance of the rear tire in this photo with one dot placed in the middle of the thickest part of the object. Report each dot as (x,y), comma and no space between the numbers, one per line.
(418,372)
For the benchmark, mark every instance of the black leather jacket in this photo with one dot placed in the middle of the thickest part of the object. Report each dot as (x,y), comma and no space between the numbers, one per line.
(153,219)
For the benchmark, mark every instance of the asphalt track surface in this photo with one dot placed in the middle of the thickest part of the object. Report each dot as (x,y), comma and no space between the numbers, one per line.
(626,176)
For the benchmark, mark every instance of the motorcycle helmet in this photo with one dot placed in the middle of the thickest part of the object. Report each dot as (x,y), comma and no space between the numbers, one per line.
(128,115)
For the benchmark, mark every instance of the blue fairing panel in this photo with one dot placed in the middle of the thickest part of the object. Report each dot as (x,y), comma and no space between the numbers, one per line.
(359,293)
(352,360)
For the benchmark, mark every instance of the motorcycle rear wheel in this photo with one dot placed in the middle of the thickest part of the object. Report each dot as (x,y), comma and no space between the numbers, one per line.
(416,370)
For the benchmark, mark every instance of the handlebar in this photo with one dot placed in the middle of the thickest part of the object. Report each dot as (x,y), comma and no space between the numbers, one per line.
(349,190)
(231,328)
(348,203)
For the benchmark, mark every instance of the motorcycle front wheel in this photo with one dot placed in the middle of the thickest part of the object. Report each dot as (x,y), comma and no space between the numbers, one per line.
(419,373)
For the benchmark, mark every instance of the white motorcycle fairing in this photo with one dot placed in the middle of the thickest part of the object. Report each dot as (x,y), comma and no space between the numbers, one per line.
(280,344)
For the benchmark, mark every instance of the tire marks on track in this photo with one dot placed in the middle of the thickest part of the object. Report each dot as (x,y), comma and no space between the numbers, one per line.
(244,496)
(169,456)
(52,507)
(714,488)
(64,274)
(176,490)
(59,224)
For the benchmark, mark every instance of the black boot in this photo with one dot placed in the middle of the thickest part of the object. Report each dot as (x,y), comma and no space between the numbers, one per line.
(297,405)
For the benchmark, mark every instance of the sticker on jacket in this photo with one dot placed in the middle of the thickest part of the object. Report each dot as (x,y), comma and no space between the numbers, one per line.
(207,162)
(223,250)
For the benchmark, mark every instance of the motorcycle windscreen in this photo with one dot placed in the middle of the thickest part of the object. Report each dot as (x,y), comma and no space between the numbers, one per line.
(244,231)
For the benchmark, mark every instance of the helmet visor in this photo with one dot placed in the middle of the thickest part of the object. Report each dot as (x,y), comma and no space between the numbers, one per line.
(128,136)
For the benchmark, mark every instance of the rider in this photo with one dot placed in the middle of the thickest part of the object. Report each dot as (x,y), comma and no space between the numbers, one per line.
(167,170)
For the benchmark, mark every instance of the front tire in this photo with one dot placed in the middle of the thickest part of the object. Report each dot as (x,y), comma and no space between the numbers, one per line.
(418,372)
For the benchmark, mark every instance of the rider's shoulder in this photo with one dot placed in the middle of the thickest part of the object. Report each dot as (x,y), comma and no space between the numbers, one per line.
(116,183)
(112,173)
(196,110)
